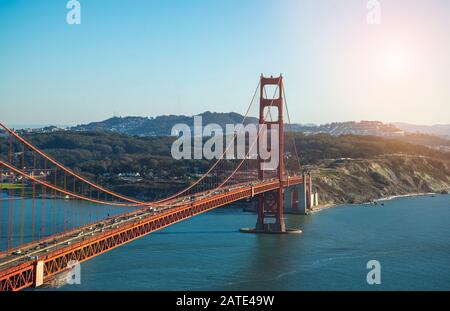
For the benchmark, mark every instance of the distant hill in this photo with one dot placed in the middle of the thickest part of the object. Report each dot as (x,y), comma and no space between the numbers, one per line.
(440,130)
(432,141)
(431,136)
(162,125)
(365,128)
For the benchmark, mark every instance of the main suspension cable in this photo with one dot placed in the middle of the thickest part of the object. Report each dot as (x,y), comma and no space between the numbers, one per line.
(291,130)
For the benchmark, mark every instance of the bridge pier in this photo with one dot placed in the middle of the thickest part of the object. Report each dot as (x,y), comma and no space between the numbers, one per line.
(299,199)
(268,208)
(293,202)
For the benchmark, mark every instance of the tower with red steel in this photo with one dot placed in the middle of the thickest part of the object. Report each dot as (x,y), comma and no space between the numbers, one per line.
(271,204)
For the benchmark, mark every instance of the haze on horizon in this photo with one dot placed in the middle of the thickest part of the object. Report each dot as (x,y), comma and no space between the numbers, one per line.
(149,58)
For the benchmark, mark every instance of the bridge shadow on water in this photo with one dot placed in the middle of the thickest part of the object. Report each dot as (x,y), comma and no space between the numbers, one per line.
(267,261)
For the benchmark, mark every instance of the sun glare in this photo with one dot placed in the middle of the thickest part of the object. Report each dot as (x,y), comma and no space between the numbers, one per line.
(395,61)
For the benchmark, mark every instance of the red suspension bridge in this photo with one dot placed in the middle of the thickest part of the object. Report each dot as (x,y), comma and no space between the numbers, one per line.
(43,227)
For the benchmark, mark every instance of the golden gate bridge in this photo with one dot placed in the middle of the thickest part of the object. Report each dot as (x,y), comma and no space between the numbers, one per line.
(39,247)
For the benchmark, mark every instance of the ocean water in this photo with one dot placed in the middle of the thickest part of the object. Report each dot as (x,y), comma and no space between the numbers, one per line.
(410,237)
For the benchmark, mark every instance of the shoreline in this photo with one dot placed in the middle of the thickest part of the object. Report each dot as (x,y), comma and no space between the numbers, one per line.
(393,197)
(382,199)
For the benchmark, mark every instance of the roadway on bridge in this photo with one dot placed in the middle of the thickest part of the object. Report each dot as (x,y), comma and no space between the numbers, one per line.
(34,250)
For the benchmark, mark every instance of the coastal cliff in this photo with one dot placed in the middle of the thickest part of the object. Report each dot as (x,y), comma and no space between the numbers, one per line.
(365,180)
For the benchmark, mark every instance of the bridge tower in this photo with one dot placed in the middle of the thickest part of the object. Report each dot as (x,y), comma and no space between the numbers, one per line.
(271,204)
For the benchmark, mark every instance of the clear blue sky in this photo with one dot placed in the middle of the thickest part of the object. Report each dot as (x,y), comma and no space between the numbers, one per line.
(145,57)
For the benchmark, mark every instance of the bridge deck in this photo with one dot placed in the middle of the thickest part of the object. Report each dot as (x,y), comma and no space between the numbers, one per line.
(18,271)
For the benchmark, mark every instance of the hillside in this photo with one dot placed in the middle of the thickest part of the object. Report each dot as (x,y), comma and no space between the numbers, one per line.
(359,181)
(440,129)
(428,140)
(346,168)
(314,148)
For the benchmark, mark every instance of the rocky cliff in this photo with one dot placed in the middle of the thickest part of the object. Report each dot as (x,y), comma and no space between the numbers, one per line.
(358,181)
